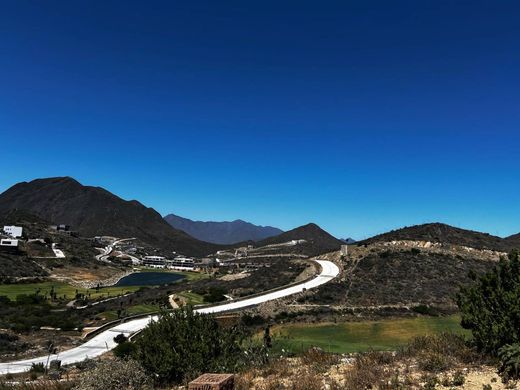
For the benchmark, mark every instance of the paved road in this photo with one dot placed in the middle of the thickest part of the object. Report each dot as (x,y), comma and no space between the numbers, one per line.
(104,341)
(109,248)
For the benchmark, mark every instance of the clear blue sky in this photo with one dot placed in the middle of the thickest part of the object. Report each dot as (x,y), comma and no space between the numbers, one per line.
(361,116)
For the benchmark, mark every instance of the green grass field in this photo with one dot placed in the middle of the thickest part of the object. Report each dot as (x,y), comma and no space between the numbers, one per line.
(62,289)
(360,336)
(191,297)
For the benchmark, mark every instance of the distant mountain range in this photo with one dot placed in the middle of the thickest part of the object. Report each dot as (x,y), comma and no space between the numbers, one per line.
(439,232)
(93,211)
(222,232)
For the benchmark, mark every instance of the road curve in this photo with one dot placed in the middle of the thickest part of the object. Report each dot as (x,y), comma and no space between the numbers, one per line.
(104,341)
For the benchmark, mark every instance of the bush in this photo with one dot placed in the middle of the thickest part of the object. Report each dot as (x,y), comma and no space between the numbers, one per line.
(115,374)
(433,362)
(183,344)
(509,356)
(37,368)
(120,338)
(124,350)
(458,378)
(490,308)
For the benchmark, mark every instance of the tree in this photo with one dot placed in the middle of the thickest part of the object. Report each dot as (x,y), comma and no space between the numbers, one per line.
(183,344)
(490,307)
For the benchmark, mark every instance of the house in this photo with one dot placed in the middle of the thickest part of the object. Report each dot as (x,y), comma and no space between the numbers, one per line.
(13,231)
(8,245)
(154,261)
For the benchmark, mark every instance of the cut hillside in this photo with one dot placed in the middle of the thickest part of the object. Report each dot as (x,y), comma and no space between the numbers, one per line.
(222,232)
(378,275)
(93,211)
(445,234)
(317,240)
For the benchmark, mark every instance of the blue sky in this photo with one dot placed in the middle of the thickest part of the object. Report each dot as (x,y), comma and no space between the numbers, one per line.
(359,116)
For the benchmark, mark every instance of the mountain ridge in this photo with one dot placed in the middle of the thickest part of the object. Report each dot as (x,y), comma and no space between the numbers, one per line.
(443,233)
(225,232)
(95,211)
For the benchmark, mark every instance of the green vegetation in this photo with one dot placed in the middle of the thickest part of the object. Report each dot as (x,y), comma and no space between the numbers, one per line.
(491,310)
(212,294)
(62,290)
(191,297)
(360,336)
(183,344)
(491,307)
(31,312)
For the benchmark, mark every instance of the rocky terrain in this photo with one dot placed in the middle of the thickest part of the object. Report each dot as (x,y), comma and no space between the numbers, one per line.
(442,233)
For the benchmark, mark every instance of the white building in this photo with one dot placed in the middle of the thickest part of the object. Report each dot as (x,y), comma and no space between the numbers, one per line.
(182,263)
(8,244)
(154,261)
(13,231)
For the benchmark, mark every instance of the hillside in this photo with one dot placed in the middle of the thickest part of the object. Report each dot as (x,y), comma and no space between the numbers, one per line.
(222,232)
(93,211)
(442,233)
(513,241)
(318,241)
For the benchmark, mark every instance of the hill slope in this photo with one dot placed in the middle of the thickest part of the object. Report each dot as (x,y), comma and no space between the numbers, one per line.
(94,211)
(438,232)
(318,240)
(222,232)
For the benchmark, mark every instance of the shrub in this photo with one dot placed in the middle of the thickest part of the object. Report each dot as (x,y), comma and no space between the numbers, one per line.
(37,368)
(449,345)
(509,356)
(124,350)
(115,374)
(120,338)
(183,344)
(458,378)
(490,307)
(433,362)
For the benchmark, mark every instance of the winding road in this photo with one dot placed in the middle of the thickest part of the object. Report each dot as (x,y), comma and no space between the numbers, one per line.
(104,341)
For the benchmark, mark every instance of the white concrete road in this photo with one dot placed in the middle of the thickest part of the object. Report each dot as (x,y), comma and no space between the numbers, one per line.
(104,341)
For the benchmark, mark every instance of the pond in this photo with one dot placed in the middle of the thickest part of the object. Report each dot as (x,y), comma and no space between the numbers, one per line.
(149,279)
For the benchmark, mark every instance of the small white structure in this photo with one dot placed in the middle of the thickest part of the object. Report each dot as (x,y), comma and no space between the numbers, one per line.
(13,231)
(8,244)
(344,250)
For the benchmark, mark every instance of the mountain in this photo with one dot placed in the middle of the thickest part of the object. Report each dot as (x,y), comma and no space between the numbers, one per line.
(222,232)
(318,241)
(439,232)
(93,211)
(513,241)
(348,240)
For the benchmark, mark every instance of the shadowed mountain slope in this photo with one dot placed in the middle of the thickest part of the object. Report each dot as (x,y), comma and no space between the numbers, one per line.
(318,241)
(93,211)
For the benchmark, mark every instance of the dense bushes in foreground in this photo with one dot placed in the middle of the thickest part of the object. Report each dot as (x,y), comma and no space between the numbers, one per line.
(183,344)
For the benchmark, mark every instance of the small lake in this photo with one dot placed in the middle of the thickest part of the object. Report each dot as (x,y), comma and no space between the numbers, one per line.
(149,279)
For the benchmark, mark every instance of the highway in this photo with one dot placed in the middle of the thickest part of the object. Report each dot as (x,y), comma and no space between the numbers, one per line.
(104,341)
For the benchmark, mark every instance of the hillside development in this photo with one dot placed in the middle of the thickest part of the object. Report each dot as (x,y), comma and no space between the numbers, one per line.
(389,289)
